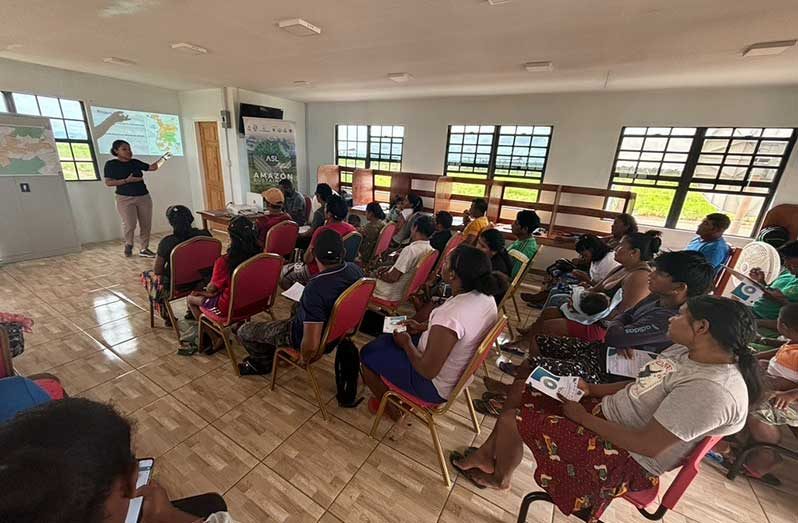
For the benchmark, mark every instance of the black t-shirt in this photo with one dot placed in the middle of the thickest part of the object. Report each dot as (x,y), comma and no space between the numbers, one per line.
(116,170)
(168,244)
(439,239)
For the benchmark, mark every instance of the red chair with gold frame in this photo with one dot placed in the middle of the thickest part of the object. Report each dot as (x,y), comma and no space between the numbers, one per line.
(48,382)
(345,319)
(253,289)
(281,238)
(352,243)
(187,262)
(423,270)
(426,411)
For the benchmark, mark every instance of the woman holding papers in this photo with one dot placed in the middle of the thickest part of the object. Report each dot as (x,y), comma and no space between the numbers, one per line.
(133,201)
(622,436)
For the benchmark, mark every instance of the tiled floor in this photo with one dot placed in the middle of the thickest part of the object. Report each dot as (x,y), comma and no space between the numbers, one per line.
(271,453)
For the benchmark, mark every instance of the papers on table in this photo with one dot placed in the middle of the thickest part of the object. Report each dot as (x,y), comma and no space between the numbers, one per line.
(555,386)
(629,367)
(394,324)
(747,293)
(294,293)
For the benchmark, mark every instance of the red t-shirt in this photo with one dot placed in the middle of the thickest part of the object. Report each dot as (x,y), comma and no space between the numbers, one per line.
(264,223)
(221,281)
(342,228)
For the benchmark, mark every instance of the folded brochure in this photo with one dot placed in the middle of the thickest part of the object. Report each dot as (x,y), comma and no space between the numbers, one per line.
(294,292)
(394,324)
(555,386)
(619,365)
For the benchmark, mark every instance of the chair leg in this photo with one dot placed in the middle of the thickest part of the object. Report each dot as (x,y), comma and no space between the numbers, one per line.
(275,366)
(230,353)
(471,411)
(378,417)
(317,390)
(485,368)
(152,314)
(171,314)
(527,501)
(439,451)
(517,310)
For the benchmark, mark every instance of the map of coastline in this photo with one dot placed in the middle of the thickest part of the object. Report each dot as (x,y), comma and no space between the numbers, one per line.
(26,150)
(149,134)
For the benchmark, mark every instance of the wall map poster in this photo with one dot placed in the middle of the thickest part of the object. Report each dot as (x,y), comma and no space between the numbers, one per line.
(271,152)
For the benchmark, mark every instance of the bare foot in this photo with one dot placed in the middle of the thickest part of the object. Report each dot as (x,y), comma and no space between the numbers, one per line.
(475,461)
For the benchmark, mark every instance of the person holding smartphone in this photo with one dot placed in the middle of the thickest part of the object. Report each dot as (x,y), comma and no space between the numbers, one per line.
(133,201)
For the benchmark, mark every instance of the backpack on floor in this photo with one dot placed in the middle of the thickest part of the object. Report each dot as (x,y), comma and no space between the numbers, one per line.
(347,373)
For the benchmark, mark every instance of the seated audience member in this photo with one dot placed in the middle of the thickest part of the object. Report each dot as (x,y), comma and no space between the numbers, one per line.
(709,241)
(336,211)
(780,408)
(633,254)
(429,367)
(407,218)
(354,221)
(443,231)
(397,205)
(157,281)
(216,296)
(526,222)
(294,202)
(393,281)
(491,242)
(475,221)
(622,436)
(72,461)
(622,225)
(274,214)
(782,291)
(18,394)
(304,330)
(375,217)
(323,193)
(677,277)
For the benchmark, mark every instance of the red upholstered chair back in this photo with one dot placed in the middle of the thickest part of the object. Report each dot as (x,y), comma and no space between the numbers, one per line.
(6,366)
(453,243)
(423,271)
(384,241)
(191,257)
(347,313)
(308,208)
(688,472)
(281,238)
(352,243)
(254,286)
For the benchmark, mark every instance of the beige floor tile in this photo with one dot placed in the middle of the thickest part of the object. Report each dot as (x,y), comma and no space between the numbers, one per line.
(321,457)
(49,325)
(391,488)
(412,438)
(264,496)
(90,371)
(359,417)
(713,498)
(42,357)
(464,505)
(128,393)
(119,331)
(215,393)
(147,348)
(780,505)
(261,423)
(299,383)
(84,301)
(103,314)
(162,425)
(208,461)
(329,518)
(173,371)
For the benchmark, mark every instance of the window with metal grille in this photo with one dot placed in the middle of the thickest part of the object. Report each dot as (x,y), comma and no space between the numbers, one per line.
(682,174)
(370,146)
(70,129)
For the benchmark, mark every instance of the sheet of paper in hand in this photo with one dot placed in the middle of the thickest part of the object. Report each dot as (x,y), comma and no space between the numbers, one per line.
(747,293)
(294,292)
(394,324)
(555,386)
(618,365)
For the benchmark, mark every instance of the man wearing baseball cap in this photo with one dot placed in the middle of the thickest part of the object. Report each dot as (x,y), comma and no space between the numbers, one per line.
(274,213)
(303,331)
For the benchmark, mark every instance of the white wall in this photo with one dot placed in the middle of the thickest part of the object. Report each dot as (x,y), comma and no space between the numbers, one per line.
(93,202)
(586,126)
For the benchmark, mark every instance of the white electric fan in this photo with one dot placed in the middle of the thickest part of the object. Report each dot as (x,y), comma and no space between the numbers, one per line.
(761,255)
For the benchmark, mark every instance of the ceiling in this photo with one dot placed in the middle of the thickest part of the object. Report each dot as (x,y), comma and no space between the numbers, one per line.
(451,47)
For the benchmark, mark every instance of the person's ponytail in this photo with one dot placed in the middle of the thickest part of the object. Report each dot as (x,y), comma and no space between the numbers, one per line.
(473,268)
(648,243)
(494,284)
(733,326)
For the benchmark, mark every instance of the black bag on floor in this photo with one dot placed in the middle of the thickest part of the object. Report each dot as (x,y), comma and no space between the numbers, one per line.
(347,373)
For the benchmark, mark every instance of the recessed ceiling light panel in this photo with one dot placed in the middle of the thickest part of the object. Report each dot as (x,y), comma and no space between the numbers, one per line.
(299,27)
(538,67)
(768,48)
(185,47)
(498,2)
(118,61)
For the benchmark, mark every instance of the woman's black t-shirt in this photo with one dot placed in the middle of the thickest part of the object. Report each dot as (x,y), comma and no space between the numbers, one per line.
(117,170)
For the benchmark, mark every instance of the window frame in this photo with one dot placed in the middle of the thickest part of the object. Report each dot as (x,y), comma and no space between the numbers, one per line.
(694,154)
(494,146)
(368,159)
(8,96)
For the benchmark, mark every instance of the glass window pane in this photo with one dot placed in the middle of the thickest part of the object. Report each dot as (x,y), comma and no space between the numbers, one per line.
(458,129)
(767,161)
(714,146)
(742,146)
(733,173)
(680,144)
(635,130)
(81,151)
(25,104)
(742,209)
(628,155)
(507,129)
(3,107)
(651,206)
(655,157)
(398,131)
(771,147)
(660,131)
(64,151)
(683,131)
(376,130)
(76,130)
(714,131)
(49,107)
(72,109)
(70,172)
(763,175)
(86,171)
(777,133)
(59,131)
(744,131)
(634,144)
(706,171)
(655,144)
(544,130)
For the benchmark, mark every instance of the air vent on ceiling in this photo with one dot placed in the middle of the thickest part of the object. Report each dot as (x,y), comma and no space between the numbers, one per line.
(538,67)
(299,27)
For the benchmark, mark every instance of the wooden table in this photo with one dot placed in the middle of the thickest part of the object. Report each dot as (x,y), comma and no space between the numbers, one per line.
(222,217)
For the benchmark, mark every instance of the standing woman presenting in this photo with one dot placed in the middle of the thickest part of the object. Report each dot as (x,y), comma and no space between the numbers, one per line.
(133,201)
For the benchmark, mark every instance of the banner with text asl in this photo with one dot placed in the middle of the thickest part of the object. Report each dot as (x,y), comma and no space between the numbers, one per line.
(271,152)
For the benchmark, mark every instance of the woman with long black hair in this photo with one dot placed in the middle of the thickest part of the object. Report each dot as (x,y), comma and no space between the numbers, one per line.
(133,201)
(623,436)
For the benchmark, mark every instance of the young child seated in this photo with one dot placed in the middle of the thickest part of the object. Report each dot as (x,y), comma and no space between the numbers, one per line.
(781,408)
(592,303)
(587,307)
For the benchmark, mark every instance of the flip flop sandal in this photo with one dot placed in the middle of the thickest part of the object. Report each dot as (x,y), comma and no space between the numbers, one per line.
(454,457)
(486,407)
(515,351)
(187,350)
(767,479)
(508,368)
(487,396)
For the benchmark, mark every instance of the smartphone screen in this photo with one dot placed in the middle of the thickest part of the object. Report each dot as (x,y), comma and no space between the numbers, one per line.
(134,509)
